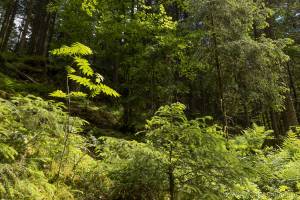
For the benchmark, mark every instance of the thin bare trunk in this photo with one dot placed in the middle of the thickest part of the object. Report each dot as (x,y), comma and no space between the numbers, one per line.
(171,176)
(290,117)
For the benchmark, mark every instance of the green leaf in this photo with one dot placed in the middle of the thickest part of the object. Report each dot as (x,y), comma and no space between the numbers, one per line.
(73,50)
(101,88)
(78,94)
(70,69)
(58,94)
(84,66)
(81,80)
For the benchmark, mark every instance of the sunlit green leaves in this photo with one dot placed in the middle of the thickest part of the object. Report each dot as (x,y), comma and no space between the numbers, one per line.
(89,6)
(76,49)
(84,66)
(84,75)
(58,94)
(61,94)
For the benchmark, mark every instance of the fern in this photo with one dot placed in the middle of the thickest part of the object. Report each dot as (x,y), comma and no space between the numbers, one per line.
(31,137)
(70,69)
(7,151)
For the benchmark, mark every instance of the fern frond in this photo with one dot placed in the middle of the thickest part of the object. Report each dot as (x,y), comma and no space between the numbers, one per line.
(80,49)
(7,151)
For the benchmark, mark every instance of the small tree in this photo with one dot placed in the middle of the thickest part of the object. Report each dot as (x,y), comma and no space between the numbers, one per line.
(84,76)
(199,164)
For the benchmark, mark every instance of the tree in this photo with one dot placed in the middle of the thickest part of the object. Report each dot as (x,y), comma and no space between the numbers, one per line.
(42,24)
(198,163)
(95,87)
(234,54)
(8,23)
(21,46)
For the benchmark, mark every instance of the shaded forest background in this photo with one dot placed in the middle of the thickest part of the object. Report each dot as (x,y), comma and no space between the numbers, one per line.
(236,61)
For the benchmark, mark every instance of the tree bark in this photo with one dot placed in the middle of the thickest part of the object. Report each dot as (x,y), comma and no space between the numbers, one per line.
(220,87)
(171,176)
(274,124)
(22,44)
(8,24)
(293,87)
(290,117)
(41,29)
(247,118)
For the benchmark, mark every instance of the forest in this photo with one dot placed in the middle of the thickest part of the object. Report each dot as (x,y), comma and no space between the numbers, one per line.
(149,99)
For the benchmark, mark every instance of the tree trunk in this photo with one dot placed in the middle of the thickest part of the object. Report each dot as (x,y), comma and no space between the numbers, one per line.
(275,123)
(220,87)
(268,120)
(171,176)
(293,87)
(41,29)
(290,117)
(247,118)
(37,23)
(22,44)
(8,24)
(264,121)
(171,183)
